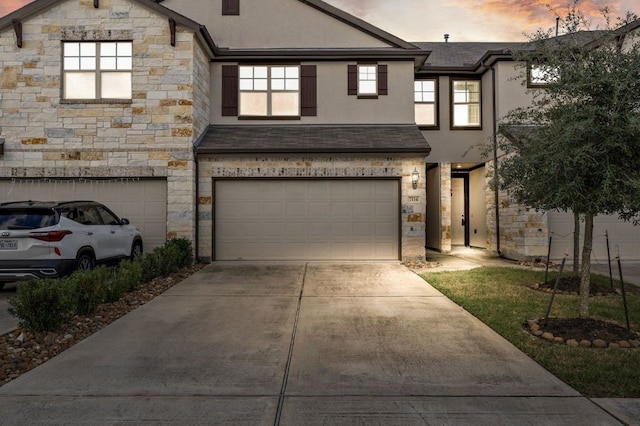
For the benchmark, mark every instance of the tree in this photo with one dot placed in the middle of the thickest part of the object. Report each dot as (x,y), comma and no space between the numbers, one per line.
(576,147)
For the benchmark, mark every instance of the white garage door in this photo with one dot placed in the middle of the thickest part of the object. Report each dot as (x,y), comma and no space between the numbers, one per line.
(143,202)
(622,235)
(307,220)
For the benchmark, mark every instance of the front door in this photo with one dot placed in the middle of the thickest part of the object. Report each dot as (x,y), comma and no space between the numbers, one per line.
(458,210)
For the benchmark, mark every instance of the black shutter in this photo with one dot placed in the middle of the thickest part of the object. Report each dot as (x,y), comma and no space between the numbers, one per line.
(383,88)
(308,91)
(231,7)
(352,80)
(230,90)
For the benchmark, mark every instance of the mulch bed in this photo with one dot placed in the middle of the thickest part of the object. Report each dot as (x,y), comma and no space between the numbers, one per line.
(583,332)
(570,284)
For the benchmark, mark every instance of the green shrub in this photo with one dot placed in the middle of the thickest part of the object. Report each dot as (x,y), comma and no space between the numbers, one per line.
(41,304)
(183,253)
(88,289)
(129,274)
(47,304)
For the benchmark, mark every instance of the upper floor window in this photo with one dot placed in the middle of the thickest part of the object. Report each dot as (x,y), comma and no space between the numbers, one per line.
(425,98)
(466,111)
(97,70)
(270,90)
(367,80)
(541,75)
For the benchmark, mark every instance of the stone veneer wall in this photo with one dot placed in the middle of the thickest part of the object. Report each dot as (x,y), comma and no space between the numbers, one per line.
(524,232)
(445,206)
(151,136)
(413,212)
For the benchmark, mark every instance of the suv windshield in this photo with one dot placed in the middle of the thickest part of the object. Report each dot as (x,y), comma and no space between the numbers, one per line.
(26,218)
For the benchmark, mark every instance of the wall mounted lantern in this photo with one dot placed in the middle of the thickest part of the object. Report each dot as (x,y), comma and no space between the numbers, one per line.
(415,177)
(1,147)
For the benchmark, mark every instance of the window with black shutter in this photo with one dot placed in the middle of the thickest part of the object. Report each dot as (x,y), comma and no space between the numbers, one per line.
(230,90)
(308,91)
(367,81)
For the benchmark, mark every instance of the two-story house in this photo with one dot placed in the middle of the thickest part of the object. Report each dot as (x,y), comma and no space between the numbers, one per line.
(279,129)
(272,129)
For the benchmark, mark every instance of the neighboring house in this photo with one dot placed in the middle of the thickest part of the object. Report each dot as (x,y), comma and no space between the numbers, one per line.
(272,129)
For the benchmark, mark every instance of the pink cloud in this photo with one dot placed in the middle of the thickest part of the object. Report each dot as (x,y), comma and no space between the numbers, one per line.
(8,6)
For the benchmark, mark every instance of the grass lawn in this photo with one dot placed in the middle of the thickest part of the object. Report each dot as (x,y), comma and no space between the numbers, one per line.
(500,297)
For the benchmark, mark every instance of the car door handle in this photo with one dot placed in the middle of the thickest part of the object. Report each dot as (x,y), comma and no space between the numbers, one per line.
(89,233)
(113,232)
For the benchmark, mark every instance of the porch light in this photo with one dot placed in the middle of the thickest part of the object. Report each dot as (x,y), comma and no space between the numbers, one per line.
(1,147)
(415,177)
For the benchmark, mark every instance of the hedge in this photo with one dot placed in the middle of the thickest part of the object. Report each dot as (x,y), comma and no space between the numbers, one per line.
(46,304)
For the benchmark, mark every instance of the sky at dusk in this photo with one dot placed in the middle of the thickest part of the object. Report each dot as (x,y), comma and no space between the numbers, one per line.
(464,20)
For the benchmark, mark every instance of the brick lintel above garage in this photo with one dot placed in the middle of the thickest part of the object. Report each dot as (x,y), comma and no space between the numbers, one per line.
(288,139)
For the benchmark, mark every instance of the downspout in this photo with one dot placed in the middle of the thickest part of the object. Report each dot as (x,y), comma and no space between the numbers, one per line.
(197,197)
(495,157)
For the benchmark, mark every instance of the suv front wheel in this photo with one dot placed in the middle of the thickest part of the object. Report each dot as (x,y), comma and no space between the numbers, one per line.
(85,262)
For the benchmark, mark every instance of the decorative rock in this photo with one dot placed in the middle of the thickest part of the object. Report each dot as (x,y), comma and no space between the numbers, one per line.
(534,327)
(537,333)
(624,344)
(573,343)
(547,336)
(599,343)
(585,343)
(614,345)
(21,338)
(558,339)
(635,343)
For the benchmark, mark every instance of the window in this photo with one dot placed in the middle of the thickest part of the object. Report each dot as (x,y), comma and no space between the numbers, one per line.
(541,75)
(465,103)
(97,70)
(425,98)
(367,80)
(269,91)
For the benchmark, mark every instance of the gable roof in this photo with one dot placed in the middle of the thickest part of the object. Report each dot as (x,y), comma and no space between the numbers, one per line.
(38,6)
(283,139)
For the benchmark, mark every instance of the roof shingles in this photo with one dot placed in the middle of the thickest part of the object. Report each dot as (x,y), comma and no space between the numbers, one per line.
(313,139)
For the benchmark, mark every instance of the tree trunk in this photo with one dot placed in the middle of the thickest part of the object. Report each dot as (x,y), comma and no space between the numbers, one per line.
(576,244)
(585,277)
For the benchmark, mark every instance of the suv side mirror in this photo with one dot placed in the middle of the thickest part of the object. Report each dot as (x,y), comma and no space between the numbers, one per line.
(124,221)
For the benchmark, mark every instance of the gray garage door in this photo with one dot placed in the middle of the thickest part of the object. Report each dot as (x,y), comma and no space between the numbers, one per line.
(307,219)
(622,235)
(143,202)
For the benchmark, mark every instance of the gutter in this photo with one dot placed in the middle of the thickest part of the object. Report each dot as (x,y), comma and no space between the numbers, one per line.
(495,157)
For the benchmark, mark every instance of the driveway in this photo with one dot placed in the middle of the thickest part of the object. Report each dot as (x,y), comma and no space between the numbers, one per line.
(296,344)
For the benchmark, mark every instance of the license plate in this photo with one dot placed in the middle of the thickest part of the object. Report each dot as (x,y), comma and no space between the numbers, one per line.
(8,244)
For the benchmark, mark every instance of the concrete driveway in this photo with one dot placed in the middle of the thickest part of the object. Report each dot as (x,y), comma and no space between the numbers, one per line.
(296,344)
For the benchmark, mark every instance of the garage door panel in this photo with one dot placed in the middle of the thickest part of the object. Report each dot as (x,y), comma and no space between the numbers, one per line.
(143,202)
(314,219)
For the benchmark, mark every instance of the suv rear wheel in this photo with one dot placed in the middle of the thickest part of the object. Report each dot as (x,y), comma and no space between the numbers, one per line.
(85,262)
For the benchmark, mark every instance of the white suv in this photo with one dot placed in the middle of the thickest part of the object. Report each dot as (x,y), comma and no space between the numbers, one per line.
(52,239)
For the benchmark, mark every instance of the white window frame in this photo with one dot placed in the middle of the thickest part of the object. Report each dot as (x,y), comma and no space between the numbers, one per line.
(367,80)
(425,96)
(92,63)
(272,81)
(462,100)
